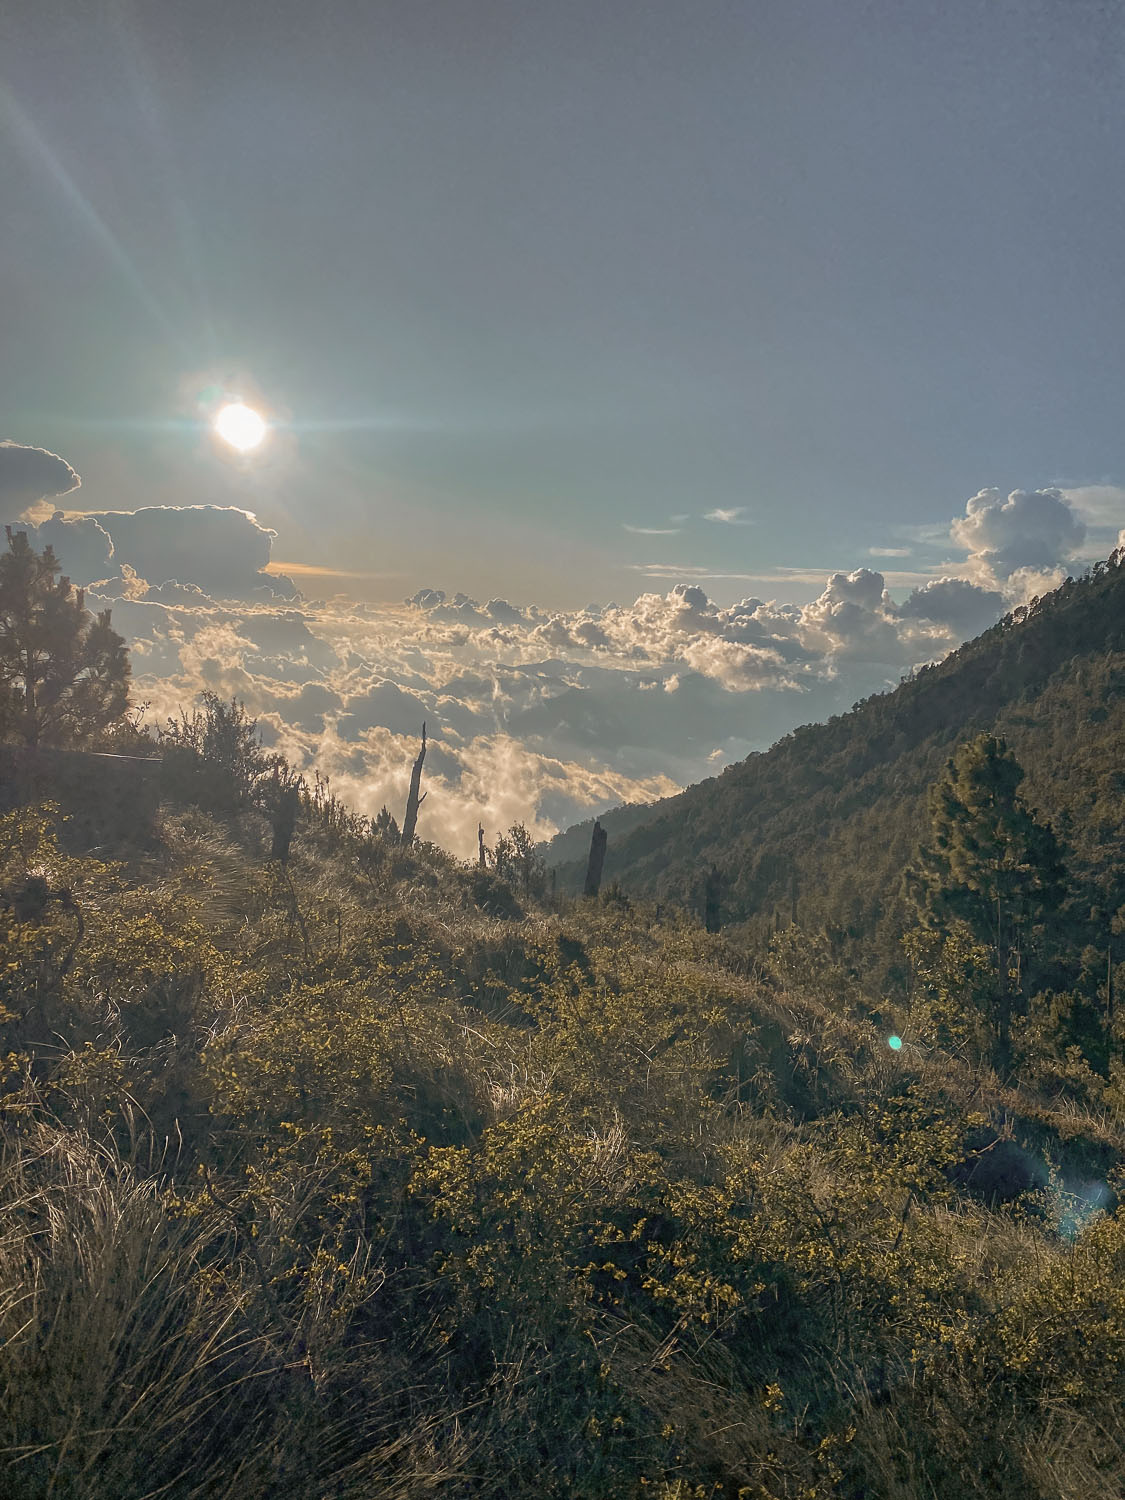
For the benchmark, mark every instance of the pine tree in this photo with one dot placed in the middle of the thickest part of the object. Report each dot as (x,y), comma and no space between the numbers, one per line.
(64,673)
(990,866)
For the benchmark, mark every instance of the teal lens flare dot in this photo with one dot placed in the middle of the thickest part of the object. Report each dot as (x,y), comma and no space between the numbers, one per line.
(894,1043)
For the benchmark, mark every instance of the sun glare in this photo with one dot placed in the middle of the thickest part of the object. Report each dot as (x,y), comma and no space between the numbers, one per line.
(240,426)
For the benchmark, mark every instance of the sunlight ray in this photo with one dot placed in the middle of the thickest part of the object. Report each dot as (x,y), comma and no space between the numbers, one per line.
(42,154)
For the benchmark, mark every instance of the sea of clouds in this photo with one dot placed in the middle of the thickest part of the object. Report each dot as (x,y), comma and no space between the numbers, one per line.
(536,716)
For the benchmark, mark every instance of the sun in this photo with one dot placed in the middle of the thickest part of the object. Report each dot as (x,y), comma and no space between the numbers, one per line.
(240,426)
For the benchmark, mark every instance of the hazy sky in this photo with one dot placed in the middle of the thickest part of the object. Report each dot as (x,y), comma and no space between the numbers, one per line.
(524,275)
(735,359)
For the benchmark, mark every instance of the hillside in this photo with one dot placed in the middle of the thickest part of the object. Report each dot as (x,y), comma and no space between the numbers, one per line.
(367,1174)
(824,823)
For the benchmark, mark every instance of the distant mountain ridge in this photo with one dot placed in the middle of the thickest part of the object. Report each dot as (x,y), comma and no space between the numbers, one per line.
(824,821)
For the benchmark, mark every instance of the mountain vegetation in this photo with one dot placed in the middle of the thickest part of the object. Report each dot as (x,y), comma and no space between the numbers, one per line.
(333,1167)
(822,828)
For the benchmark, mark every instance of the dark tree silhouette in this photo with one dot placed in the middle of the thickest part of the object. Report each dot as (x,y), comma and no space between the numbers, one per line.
(598,840)
(64,673)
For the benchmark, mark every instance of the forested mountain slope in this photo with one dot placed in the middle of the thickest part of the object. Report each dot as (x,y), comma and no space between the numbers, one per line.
(825,822)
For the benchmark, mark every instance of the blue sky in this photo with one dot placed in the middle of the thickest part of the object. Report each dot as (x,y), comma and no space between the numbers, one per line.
(532,273)
(565,303)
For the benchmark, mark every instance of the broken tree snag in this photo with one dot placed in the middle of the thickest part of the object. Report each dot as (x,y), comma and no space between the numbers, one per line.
(480,845)
(413,801)
(284,822)
(598,842)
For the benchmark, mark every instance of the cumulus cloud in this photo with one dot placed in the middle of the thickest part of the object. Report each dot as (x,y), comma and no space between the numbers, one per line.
(862,589)
(385,705)
(29,475)
(1028,529)
(427,598)
(536,716)
(505,613)
(965,607)
(286,635)
(854,618)
(83,547)
(218,548)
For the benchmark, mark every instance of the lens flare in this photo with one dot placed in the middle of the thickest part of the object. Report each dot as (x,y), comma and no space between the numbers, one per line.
(240,426)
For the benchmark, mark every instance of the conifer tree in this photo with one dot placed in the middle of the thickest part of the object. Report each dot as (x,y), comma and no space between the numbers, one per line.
(64,673)
(989,865)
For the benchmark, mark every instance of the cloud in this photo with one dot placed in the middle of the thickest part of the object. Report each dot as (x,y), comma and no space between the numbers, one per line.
(889,551)
(309,707)
(312,570)
(220,549)
(862,589)
(954,602)
(177,593)
(736,516)
(854,617)
(539,716)
(83,547)
(386,705)
(502,611)
(1029,529)
(28,475)
(459,610)
(651,530)
(287,635)
(534,717)
(965,607)
(691,570)
(1098,504)
(427,598)
(735,666)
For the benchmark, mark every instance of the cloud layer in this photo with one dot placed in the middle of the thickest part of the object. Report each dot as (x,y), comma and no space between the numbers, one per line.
(534,715)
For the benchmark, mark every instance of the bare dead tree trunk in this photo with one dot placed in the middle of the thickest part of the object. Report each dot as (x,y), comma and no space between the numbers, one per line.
(712,896)
(413,801)
(480,845)
(598,842)
(284,822)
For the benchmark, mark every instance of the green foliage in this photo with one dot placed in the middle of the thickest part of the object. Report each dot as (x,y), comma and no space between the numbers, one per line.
(213,755)
(988,861)
(955,985)
(64,673)
(990,874)
(333,1180)
(833,814)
